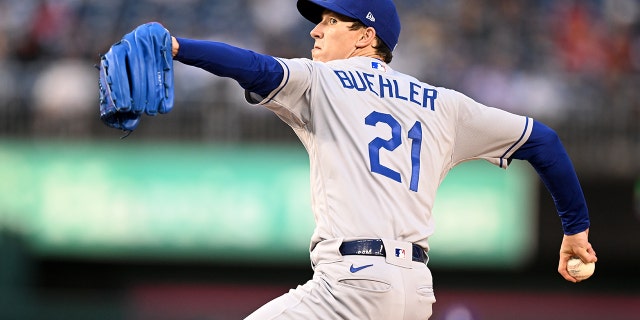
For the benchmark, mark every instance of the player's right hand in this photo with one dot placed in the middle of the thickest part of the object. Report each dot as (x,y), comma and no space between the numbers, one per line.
(576,245)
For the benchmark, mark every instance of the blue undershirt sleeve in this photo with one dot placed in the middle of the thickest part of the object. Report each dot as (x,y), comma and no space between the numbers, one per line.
(544,151)
(254,72)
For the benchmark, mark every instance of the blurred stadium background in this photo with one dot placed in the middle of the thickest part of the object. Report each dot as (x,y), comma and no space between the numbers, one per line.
(203,213)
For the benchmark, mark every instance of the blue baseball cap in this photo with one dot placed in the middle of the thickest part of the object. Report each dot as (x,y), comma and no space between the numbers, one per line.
(379,14)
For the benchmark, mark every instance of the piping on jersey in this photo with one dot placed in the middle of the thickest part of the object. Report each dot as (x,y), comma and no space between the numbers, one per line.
(524,131)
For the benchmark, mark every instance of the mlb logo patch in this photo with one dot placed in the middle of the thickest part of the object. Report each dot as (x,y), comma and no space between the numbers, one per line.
(378,66)
(401,253)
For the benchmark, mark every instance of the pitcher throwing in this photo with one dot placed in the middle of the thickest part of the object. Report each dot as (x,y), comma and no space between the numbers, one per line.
(380,142)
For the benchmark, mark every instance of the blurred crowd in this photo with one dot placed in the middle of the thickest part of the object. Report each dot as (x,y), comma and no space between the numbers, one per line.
(571,63)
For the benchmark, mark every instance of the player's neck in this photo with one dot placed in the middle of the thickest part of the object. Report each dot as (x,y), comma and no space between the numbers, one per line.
(366,52)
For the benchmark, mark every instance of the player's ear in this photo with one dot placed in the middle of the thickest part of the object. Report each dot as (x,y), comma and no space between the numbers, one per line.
(367,37)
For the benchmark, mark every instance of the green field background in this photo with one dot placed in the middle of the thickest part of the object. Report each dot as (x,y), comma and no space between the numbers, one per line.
(126,200)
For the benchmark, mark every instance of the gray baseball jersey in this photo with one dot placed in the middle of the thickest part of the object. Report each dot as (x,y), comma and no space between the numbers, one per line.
(380,143)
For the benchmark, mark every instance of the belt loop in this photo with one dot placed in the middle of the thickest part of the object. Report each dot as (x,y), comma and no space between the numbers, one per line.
(377,247)
(399,253)
(326,251)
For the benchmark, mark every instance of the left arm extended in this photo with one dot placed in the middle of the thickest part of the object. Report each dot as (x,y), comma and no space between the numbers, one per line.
(254,72)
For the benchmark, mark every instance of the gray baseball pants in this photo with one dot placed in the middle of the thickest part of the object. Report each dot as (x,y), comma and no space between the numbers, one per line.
(356,287)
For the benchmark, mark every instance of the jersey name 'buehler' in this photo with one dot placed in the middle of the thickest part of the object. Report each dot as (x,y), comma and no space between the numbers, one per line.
(384,87)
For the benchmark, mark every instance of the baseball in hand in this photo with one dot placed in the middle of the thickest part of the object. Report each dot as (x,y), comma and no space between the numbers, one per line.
(579,269)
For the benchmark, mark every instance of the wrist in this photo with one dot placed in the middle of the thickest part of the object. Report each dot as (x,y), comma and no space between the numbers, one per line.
(175,46)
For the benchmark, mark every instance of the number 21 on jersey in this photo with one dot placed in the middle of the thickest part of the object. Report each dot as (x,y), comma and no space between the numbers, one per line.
(414,134)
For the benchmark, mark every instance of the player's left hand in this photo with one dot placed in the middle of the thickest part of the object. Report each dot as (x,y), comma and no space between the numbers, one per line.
(576,245)
(136,77)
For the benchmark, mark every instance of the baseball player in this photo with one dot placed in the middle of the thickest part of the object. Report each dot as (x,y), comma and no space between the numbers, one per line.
(380,142)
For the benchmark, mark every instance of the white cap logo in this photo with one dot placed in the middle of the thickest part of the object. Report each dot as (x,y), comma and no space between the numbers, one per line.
(371,17)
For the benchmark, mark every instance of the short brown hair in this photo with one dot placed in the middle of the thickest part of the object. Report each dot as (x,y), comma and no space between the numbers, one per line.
(381,48)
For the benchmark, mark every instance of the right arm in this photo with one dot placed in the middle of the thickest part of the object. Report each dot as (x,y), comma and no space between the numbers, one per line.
(544,151)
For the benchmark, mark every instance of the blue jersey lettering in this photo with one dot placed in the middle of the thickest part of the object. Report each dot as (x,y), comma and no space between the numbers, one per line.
(387,88)
(355,83)
(367,76)
(344,79)
(413,92)
(385,83)
(395,82)
(429,97)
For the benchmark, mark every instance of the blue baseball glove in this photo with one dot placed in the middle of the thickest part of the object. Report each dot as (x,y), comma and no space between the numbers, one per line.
(136,77)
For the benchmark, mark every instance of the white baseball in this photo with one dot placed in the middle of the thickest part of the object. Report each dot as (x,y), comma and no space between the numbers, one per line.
(579,269)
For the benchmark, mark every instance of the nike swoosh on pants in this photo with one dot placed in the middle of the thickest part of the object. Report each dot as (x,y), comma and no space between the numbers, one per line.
(356,269)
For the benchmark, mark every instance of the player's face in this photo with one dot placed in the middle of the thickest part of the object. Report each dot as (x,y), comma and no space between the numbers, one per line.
(333,38)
